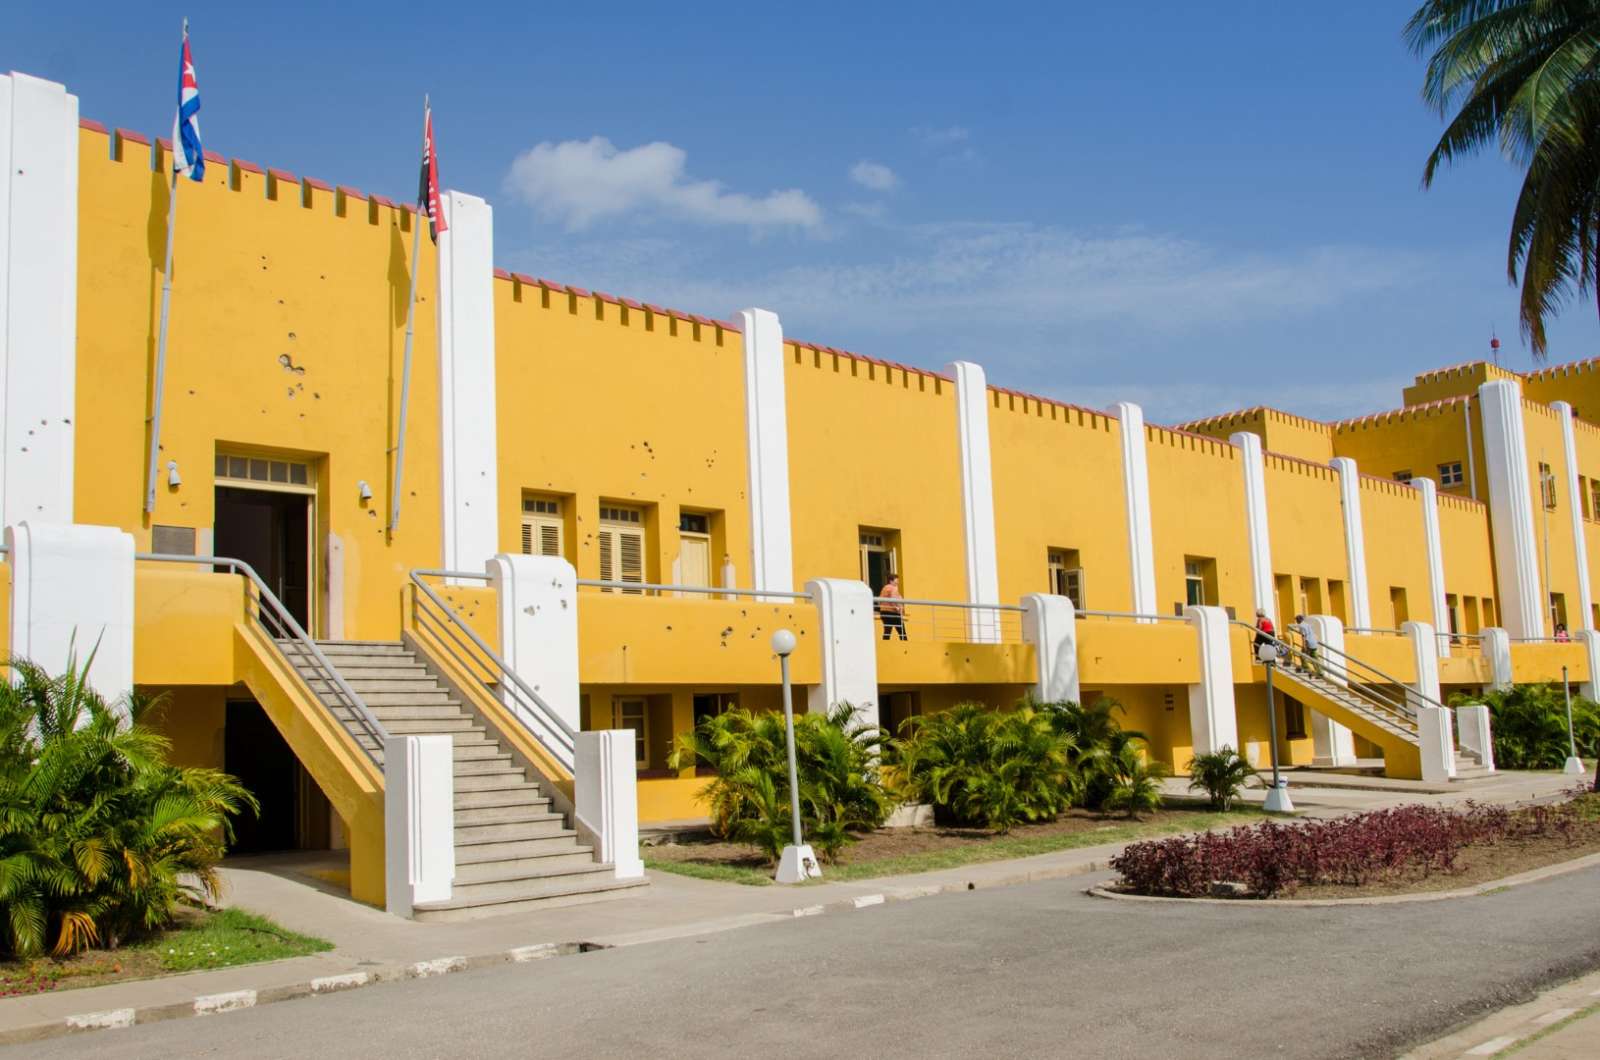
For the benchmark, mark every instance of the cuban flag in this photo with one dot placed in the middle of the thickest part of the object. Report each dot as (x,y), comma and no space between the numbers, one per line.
(428,190)
(187,156)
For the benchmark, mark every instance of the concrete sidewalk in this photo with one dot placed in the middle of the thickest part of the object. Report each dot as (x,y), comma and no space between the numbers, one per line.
(1560,1024)
(371,946)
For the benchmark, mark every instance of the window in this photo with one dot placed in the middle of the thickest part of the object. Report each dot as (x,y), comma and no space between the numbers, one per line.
(1066,575)
(711,704)
(879,556)
(1402,476)
(1450,475)
(1469,608)
(1547,486)
(1452,613)
(1294,719)
(1197,576)
(1594,497)
(621,541)
(1558,610)
(260,472)
(694,549)
(1336,605)
(1397,604)
(542,528)
(1311,596)
(630,713)
(1584,496)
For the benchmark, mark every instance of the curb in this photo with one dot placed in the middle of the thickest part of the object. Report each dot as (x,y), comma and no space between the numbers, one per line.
(1531,876)
(239,1000)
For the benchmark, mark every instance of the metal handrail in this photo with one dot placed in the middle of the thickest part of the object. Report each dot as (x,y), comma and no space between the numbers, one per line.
(557,736)
(1380,632)
(287,624)
(641,587)
(1361,690)
(1140,615)
(1542,640)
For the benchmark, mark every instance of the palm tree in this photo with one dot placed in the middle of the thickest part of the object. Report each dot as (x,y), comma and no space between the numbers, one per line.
(1522,74)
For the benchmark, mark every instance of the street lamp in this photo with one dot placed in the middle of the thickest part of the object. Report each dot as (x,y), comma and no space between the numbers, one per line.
(1278,796)
(798,862)
(1574,764)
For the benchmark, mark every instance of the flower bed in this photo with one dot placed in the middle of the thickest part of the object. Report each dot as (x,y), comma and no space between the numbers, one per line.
(1269,859)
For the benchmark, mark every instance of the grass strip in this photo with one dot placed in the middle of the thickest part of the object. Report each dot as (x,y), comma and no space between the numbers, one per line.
(229,937)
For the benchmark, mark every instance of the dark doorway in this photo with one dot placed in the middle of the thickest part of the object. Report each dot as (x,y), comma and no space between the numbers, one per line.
(295,815)
(271,532)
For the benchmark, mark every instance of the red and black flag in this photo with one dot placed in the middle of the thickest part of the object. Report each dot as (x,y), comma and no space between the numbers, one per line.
(428,192)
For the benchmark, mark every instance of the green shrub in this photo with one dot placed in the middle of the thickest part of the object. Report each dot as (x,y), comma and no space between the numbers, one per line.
(986,768)
(100,838)
(1136,783)
(1528,724)
(840,790)
(1223,774)
(1097,741)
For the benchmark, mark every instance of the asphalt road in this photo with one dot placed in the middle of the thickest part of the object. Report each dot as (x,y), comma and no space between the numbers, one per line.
(1040,970)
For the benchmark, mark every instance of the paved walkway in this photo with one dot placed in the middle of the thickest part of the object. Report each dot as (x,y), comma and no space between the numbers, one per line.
(1560,1024)
(370,943)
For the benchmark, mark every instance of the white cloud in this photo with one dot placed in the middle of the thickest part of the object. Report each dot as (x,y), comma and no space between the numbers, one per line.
(940,136)
(578,182)
(874,175)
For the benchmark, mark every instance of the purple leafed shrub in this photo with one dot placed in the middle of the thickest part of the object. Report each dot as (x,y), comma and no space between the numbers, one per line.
(1269,858)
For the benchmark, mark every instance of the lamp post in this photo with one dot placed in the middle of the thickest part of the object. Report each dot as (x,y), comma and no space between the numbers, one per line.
(1574,764)
(798,863)
(1278,796)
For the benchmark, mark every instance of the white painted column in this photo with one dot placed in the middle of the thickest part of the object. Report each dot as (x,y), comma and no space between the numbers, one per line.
(1475,735)
(1590,639)
(977,498)
(38,298)
(536,598)
(72,595)
(605,799)
(1429,495)
(1438,746)
(1569,449)
(766,425)
(1332,743)
(1505,456)
(1050,624)
(1426,658)
(1497,649)
(1136,497)
(849,648)
(419,832)
(1213,716)
(469,479)
(1355,541)
(1255,522)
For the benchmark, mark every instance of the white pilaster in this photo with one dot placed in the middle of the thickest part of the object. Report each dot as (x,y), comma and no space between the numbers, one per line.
(469,483)
(1511,491)
(1569,449)
(536,598)
(1473,721)
(1426,657)
(605,799)
(849,650)
(38,298)
(1213,717)
(977,497)
(1590,640)
(1437,743)
(1355,541)
(1497,649)
(419,839)
(1255,521)
(766,426)
(1429,495)
(1050,624)
(72,595)
(1136,497)
(1332,743)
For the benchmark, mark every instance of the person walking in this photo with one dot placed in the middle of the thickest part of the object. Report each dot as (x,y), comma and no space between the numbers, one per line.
(1309,646)
(890,609)
(1265,634)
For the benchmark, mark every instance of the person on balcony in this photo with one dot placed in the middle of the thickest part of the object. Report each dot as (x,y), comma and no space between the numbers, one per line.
(890,609)
(1562,636)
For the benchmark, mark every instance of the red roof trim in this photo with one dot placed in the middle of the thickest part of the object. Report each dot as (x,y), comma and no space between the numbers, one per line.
(313,182)
(501,274)
(282,174)
(91,125)
(133,137)
(349,192)
(248,167)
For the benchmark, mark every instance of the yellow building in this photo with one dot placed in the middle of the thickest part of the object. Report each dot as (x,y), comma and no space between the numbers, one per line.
(504,585)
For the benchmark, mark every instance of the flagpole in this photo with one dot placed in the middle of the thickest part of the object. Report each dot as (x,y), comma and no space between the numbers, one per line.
(161,336)
(405,364)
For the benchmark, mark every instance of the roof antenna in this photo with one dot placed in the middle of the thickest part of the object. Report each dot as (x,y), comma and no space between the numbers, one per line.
(1494,345)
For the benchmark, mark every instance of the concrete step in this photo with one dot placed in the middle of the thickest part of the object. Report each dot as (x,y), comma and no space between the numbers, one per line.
(518,815)
(405,699)
(534,883)
(365,686)
(547,825)
(555,842)
(524,794)
(362,647)
(504,776)
(425,711)
(457,724)
(571,858)
(479,758)
(562,891)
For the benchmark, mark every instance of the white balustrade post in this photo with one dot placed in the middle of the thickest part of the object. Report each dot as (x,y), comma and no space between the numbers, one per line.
(1213,716)
(1434,723)
(419,840)
(1590,640)
(1473,721)
(1497,649)
(536,598)
(72,595)
(1050,624)
(849,648)
(606,799)
(1333,744)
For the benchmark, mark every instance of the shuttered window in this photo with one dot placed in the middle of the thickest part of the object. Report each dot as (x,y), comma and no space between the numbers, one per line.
(541,526)
(621,541)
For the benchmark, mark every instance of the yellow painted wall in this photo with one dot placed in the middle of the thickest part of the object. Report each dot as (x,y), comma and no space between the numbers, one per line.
(1552,527)
(1306,528)
(1197,509)
(1057,473)
(1417,440)
(287,329)
(1467,550)
(1454,381)
(667,640)
(1397,550)
(1280,432)
(873,445)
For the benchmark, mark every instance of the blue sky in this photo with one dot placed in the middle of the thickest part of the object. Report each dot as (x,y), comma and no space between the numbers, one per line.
(1096,202)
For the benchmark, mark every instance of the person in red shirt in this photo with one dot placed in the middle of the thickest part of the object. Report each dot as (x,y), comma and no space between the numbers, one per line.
(1265,634)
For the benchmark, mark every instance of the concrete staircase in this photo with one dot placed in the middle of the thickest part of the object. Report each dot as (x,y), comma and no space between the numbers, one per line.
(1361,713)
(513,852)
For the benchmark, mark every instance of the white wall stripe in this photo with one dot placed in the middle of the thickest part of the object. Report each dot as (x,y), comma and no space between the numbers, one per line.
(977,496)
(1505,456)
(1253,465)
(1355,541)
(1136,497)
(1569,449)
(766,423)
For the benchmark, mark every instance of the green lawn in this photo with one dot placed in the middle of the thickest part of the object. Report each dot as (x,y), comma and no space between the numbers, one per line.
(1017,844)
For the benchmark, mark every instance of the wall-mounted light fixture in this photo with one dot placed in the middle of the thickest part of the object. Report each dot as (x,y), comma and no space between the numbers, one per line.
(173,478)
(366,490)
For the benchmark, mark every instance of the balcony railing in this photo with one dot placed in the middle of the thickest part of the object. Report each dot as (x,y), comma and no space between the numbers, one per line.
(1133,616)
(946,621)
(626,588)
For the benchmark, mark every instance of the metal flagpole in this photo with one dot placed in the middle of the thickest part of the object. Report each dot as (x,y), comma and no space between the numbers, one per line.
(405,364)
(161,335)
